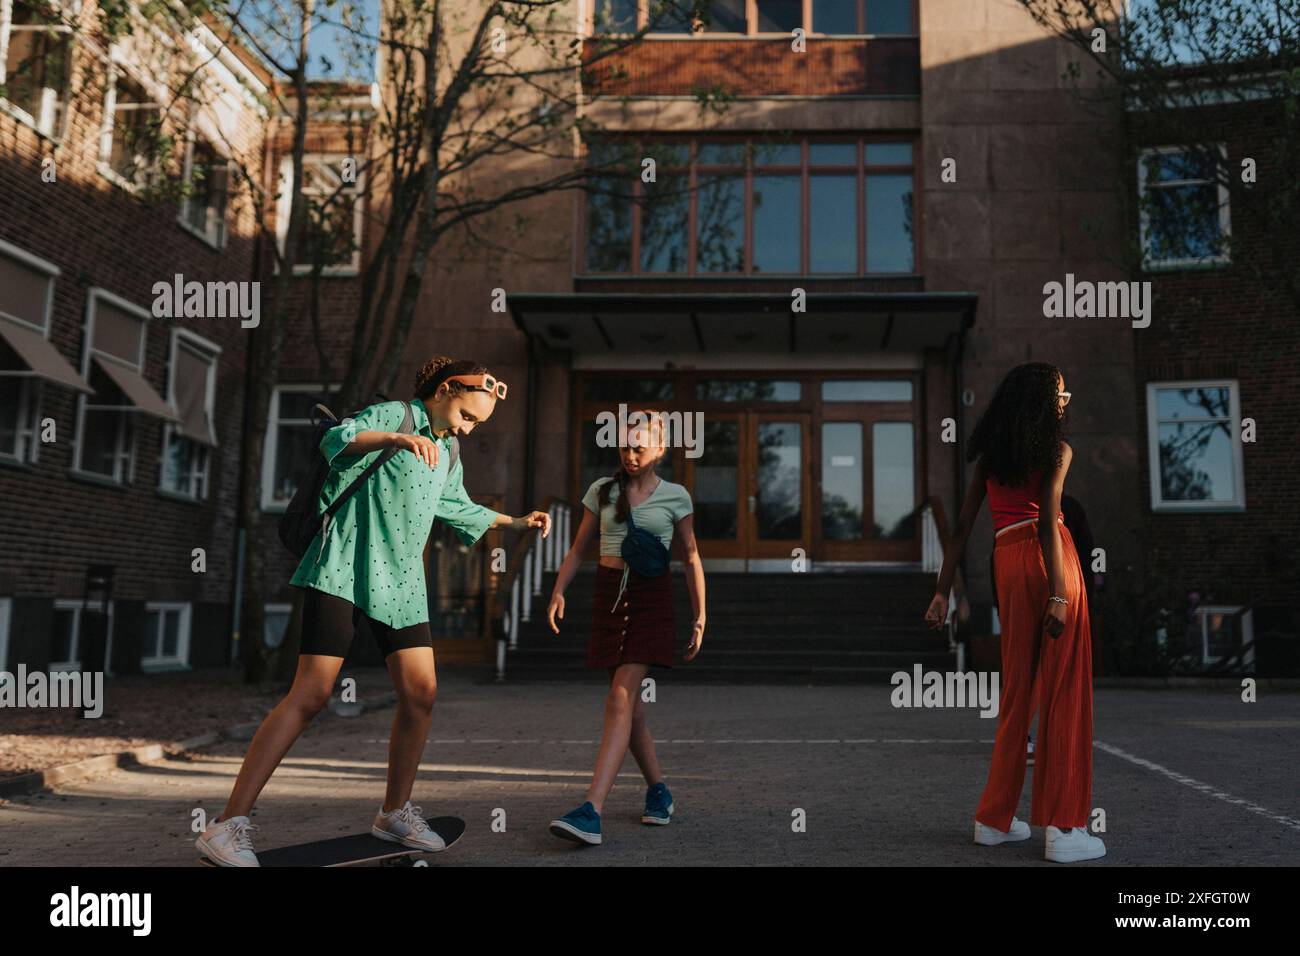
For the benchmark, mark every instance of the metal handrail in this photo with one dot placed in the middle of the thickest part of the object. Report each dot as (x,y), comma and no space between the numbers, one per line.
(531,556)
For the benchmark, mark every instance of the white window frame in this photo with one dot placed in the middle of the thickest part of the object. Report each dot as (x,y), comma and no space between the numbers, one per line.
(6,617)
(88,354)
(1150,264)
(1203,613)
(75,605)
(214,234)
(199,481)
(274,608)
(153,662)
(282,212)
(44,123)
(114,69)
(269,442)
(1158,504)
(29,410)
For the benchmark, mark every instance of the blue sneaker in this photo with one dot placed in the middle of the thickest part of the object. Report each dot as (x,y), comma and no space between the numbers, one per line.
(581,825)
(658,804)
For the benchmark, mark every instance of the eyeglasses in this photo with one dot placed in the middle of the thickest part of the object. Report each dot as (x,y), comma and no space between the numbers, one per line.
(1064,397)
(480,383)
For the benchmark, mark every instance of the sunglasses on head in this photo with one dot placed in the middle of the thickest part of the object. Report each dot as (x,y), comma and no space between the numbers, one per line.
(480,383)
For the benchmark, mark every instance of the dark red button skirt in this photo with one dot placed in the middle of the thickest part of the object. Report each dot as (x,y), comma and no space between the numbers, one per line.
(641,630)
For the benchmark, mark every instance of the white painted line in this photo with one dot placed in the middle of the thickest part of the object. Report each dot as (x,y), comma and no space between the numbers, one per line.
(1205,788)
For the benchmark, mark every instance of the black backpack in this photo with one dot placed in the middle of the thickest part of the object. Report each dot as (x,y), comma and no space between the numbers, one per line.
(301,522)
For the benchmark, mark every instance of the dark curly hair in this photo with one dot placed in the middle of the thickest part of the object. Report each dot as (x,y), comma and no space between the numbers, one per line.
(1019,433)
(437,369)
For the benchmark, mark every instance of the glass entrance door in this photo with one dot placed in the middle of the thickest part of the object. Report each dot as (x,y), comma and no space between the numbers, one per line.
(777,499)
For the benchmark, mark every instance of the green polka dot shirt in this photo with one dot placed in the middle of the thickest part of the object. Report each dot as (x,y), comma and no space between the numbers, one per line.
(373,555)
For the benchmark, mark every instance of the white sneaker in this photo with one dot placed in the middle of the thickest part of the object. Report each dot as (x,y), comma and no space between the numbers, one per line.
(229,842)
(405,826)
(992,836)
(1071,846)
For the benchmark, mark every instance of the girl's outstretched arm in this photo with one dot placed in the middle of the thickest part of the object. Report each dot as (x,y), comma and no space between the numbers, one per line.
(694,569)
(588,529)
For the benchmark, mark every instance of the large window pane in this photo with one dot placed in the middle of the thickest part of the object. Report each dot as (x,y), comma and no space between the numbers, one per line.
(777,227)
(779,16)
(778,154)
(615,16)
(832,228)
(725,16)
(609,226)
(780,481)
(720,220)
(716,475)
(842,481)
(835,16)
(833,154)
(889,154)
(1195,434)
(664,210)
(867,390)
(748,390)
(889,16)
(893,495)
(889,223)
(669,17)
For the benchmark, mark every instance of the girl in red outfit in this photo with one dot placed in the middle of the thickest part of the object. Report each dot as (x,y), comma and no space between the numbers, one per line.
(1021,458)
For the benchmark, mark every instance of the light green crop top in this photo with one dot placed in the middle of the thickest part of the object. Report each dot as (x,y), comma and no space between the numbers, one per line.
(658,514)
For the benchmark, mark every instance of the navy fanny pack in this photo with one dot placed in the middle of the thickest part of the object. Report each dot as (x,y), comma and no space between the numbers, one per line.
(644,552)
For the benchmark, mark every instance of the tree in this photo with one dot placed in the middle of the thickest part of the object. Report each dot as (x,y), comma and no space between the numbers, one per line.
(1169,64)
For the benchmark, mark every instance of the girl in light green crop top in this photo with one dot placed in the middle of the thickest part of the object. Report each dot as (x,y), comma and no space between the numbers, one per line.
(636,633)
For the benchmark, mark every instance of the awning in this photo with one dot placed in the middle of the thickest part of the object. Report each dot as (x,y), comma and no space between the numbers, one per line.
(605,322)
(190,389)
(139,392)
(44,360)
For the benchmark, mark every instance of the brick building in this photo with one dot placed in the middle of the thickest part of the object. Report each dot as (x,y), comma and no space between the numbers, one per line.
(119,429)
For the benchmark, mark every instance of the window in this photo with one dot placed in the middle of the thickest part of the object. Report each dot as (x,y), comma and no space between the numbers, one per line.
(1183,206)
(1223,631)
(113,364)
(191,390)
(130,146)
(275,622)
(27,359)
(166,636)
(289,442)
(733,207)
(203,208)
(1194,446)
(35,54)
(333,190)
(69,632)
(825,17)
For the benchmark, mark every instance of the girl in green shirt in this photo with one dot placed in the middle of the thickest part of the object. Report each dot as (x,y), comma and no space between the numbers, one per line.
(632,618)
(366,572)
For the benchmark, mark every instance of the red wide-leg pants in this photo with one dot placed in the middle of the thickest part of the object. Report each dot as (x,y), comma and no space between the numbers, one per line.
(1051,674)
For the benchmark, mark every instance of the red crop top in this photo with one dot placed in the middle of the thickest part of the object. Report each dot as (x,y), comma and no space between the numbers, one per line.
(1012,504)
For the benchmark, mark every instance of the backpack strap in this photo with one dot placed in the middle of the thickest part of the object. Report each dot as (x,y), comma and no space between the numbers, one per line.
(455,454)
(405,429)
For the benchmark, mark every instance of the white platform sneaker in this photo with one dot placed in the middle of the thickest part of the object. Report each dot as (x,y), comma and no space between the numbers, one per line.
(405,826)
(1071,846)
(992,836)
(229,842)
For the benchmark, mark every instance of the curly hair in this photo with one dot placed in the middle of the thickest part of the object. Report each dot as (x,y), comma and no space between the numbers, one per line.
(437,369)
(1019,434)
(656,435)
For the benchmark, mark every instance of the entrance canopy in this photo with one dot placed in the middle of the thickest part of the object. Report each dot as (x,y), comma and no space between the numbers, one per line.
(603,322)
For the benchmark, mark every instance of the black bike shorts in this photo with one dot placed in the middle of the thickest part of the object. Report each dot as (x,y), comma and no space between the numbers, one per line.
(329,623)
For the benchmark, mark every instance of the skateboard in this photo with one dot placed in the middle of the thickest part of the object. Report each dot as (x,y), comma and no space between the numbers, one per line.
(355,850)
